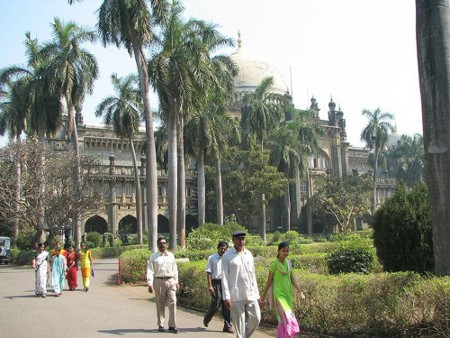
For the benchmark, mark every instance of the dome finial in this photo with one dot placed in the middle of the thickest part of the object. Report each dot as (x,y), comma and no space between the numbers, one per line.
(239,39)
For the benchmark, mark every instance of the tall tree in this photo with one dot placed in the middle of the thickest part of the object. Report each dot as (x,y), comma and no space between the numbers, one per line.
(124,112)
(409,159)
(433,49)
(13,121)
(76,70)
(182,71)
(261,113)
(41,102)
(131,24)
(376,134)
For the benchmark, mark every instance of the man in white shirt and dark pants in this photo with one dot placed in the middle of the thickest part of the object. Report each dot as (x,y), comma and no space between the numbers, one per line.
(240,288)
(162,277)
(214,277)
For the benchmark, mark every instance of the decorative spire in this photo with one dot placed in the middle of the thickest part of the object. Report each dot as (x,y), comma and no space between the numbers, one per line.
(239,39)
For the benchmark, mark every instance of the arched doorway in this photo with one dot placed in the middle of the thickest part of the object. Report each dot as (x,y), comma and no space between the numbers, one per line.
(96,223)
(163,225)
(191,223)
(128,224)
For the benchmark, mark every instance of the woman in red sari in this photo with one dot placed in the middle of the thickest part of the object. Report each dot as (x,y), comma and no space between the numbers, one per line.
(72,268)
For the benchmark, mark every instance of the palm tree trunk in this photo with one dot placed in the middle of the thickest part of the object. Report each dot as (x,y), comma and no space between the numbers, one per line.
(181,218)
(17,192)
(151,168)
(77,216)
(287,209)
(433,47)
(41,190)
(172,179)
(263,218)
(138,191)
(374,201)
(201,188)
(219,191)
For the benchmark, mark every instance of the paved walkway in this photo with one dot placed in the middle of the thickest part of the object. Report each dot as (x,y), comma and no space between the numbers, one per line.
(107,310)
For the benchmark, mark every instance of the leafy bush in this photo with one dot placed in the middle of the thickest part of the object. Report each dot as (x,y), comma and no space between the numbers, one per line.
(347,260)
(24,242)
(94,237)
(107,239)
(134,266)
(25,257)
(209,235)
(403,232)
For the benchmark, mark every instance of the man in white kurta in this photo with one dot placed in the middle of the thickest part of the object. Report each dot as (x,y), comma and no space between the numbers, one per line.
(240,288)
(162,277)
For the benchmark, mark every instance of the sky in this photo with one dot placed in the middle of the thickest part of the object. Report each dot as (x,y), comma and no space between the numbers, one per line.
(360,53)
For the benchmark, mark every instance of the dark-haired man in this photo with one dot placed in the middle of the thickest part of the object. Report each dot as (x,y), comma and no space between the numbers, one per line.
(214,277)
(162,277)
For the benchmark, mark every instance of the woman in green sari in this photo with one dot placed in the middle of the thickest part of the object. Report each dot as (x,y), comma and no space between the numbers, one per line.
(280,281)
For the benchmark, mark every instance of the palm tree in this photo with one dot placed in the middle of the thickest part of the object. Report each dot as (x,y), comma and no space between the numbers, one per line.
(285,156)
(181,73)
(131,24)
(261,113)
(76,70)
(13,121)
(291,145)
(376,134)
(124,112)
(40,102)
(207,136)
(433,49)
(409,158)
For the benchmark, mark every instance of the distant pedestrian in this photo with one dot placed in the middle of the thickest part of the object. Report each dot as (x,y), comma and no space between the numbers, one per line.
(214,277)
(87,265)
(72,268)
(58,247)
(162,278)
(40,265)
(59,268)
(280,282)
(240,287)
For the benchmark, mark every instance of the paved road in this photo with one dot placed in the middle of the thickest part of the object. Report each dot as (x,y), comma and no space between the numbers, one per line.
(107,310)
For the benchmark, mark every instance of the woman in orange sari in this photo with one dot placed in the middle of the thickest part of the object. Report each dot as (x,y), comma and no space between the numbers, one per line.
(86,265)
(72,268)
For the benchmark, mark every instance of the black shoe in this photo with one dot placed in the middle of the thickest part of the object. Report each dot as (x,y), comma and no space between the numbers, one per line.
(228,330)
(173,329)
(161,328)
(205,323)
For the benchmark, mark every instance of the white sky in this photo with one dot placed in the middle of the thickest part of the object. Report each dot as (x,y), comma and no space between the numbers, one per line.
(360,52)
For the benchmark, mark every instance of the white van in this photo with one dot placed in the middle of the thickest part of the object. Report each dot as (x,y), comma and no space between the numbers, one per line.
(5,246)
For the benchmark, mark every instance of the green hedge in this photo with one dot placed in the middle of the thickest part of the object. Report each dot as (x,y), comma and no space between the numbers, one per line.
(380,305)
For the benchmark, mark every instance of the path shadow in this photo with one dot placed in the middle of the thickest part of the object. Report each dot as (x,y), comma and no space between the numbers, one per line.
(22,296)
(123,332)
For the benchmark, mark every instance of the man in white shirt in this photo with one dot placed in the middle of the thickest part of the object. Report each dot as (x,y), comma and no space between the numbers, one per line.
(240,288)
(214,277)
(162,277)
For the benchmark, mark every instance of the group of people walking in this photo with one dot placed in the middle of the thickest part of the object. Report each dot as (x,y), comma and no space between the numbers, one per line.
(232,286)
(60,266)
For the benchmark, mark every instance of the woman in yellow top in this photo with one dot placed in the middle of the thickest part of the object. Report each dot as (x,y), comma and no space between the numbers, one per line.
(86,265)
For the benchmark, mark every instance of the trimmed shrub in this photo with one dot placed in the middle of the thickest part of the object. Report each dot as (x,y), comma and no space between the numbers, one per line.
(94,237)
(403,231)
(107,239)
(134,266)
(209,235)
(347,260)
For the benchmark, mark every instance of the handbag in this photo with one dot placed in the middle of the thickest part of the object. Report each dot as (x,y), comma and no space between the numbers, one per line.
(92,273)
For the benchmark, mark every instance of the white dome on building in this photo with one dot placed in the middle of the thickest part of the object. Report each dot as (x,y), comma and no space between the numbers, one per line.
(252,71)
